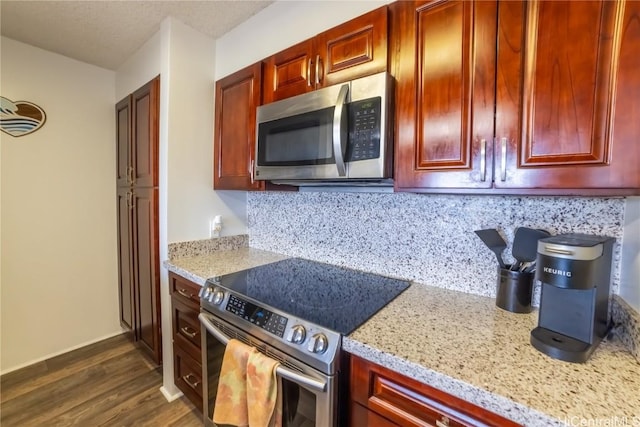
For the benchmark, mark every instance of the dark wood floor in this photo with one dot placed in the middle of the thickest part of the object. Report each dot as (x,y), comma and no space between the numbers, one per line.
(109,383)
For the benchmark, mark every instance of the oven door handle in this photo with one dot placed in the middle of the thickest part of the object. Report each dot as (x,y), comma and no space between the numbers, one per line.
(280,370)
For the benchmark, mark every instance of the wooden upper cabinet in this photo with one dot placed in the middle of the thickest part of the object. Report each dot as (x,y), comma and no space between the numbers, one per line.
(289,73)
(145,128)
(445,71)
(237,97)
(351,50)
(564,88)
(567,84)
(123,143)
(354,49)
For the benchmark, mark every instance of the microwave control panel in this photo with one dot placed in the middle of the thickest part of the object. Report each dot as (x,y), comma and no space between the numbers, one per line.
(364,129)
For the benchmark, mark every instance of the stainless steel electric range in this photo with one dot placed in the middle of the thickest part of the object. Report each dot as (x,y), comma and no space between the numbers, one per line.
(295,311)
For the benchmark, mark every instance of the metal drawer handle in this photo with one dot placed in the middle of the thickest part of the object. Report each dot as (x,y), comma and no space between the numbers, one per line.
(194,383)
(186,293)
(483,160)
(443,422)
(280,370)
(503,160)
(187,331)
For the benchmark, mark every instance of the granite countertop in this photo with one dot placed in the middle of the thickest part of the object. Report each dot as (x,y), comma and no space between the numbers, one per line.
(465,345)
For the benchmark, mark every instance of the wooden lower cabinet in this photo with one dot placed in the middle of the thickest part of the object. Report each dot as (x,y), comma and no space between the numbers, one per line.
(187,353)
(382,397)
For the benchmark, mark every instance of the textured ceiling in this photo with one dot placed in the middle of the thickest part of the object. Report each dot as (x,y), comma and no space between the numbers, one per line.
(106,33)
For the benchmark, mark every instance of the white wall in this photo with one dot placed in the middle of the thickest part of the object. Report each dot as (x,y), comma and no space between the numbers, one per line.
(140,68)
(280,25)
(630,272)
(192,203)
(59,281)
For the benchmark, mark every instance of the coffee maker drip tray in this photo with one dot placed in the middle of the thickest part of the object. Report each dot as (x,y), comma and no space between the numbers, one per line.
(561,347)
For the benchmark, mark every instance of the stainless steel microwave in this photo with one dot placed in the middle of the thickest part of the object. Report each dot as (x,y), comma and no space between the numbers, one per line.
(337,134)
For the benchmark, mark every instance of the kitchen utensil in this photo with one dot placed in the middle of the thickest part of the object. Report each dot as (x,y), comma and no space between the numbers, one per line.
(495,242)
(525,246)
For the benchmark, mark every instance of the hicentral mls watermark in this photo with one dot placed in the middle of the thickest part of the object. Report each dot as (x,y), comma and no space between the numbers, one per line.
(576,421)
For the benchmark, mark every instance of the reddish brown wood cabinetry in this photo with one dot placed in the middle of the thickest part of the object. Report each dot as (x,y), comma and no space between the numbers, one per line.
(381,397)
(445,73)
(567,73)
(237,97)
(187,356)
(137,199)
(354,49)
(562,88)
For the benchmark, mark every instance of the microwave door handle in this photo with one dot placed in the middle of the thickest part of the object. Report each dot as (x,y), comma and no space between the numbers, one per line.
(280,370)
(338,143)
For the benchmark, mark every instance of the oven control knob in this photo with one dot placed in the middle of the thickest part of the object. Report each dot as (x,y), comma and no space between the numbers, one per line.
(318,343)
(297,334)
(216,296)
(204,292)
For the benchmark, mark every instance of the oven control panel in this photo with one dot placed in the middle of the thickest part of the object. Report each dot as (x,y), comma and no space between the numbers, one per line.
(259,316)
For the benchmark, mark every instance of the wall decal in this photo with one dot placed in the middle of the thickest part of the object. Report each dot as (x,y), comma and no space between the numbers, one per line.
(19,118)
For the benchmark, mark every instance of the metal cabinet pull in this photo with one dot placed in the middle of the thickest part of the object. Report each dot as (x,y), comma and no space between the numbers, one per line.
(443,422)
(251,164)
(129,199)
(130,175)
(318,69)
(186,293)
(309,72)
(503,159)
(188,331)
(483,160)
(191,383)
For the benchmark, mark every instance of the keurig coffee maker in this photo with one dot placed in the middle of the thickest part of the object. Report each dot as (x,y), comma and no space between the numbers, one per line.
(575,271)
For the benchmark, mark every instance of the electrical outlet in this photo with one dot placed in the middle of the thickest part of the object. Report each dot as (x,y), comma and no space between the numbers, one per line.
(216,226)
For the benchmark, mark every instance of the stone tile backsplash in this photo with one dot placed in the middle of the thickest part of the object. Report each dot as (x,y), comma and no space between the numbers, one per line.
(425,238)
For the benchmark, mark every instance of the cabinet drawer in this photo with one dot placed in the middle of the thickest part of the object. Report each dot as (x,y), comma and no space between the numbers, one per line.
(186,328)
(185,290)
(188,376)
(407,402)
(361,416)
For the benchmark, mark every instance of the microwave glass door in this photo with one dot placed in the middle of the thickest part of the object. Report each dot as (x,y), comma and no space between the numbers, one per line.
(304,139)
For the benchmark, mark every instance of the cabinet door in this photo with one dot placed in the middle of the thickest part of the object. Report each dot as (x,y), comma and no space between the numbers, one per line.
(445,98)
(125,261)
(567,71)
(147,270)
(145,129)
(290,72)
(123,142)
(406,402)
(354,49)
(237,97)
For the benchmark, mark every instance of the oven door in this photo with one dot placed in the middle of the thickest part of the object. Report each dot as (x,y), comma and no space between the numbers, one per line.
(309,397)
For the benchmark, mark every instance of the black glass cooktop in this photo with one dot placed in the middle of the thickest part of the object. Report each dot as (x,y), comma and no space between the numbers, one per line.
(333,297)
